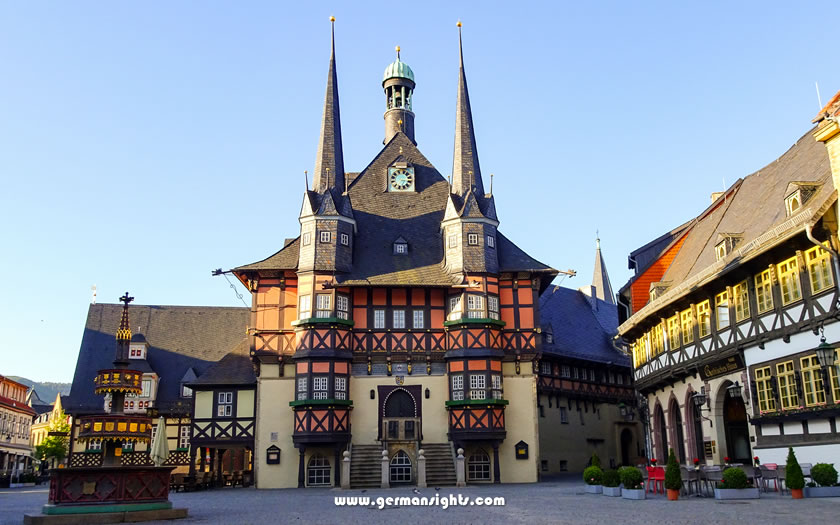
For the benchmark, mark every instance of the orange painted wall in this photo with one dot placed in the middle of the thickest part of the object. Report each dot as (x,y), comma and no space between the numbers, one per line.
(640,289)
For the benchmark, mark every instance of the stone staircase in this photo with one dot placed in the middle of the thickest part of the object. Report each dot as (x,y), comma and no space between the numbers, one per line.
(366,466)
(440,466)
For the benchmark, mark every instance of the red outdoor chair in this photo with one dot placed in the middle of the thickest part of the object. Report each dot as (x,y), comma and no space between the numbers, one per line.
(656,477)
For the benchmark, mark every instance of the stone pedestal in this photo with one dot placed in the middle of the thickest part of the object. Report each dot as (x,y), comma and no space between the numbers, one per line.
(345,470)
(386,474)
(421,469)
(460,473)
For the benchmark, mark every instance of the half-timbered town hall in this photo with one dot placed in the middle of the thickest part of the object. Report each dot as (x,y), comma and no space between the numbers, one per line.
(398,318)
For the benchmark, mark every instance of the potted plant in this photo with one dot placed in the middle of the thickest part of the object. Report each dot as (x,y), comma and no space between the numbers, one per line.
(795,481)
(756,461)
(673,478)
(824,475)
(652,462)
(696,463)
(592,476)
(633,483)
(610,481)
(595,461)
(735,485)
(726,460)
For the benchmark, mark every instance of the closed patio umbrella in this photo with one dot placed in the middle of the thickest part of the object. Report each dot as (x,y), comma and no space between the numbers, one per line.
(160,445)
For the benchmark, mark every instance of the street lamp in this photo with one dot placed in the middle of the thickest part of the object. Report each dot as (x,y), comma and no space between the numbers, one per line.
(825,353)
(700,398)
(734,390)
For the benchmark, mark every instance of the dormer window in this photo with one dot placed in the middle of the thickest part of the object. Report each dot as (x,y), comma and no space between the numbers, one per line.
(400,246)
(186,391)
(137,351)
(491,241)
(798,193)
(793,202)
(472,239)
(726,243)
(720,250)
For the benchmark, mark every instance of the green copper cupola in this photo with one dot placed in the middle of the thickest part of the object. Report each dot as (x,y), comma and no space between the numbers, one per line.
(398,83)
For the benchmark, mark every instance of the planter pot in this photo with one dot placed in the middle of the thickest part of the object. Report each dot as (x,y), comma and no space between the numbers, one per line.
(633,493)
(751,493)
(612,491)
(820,492)
(593,489)
(673,495)
(796,493)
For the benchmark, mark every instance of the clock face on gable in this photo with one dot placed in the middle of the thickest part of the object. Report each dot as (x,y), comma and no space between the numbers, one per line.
(401,179)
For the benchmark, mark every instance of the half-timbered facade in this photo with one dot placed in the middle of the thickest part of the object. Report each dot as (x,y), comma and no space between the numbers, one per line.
(724,342)
(171,347)
(399,318)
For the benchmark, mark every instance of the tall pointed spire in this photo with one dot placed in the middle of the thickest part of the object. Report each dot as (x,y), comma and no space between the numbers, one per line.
(329,164)
(600,280)
(466,174)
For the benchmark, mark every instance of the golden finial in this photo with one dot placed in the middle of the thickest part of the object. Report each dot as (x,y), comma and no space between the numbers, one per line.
(332,19)
(458,24)
(398,52)
(399,122)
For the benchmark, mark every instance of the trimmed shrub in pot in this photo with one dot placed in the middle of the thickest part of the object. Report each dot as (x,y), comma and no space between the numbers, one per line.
(673,478)
(735,485)
(595,461)
(795,481)
(592,477)
(633,482)
(734,478)
(610,480)
(825,475)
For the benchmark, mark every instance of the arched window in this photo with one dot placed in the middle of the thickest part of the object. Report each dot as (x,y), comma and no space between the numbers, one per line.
(400,468)
(318,472)
(478,466)
(400,404)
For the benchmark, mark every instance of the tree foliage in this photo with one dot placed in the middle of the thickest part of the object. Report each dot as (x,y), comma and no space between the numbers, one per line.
(54,448)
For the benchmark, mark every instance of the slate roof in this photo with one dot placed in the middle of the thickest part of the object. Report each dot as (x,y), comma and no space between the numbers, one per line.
(382,216)
(235,368)
(583,326)
(758,204)
(180,337)
(752,206)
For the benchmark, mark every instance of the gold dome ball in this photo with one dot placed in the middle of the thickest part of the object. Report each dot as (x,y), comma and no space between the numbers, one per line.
(332,19)
(459,23)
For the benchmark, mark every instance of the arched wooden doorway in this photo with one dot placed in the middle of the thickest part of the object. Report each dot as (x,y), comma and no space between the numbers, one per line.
(400,416)
(679,435)
(735,427)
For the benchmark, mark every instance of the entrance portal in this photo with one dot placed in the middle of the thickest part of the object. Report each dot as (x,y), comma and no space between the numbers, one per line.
(626,443)
(737,432)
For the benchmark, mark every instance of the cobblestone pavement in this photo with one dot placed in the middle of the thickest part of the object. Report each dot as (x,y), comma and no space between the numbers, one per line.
(561,501)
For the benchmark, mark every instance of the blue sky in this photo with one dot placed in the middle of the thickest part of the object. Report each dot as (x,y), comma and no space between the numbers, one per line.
(141,143)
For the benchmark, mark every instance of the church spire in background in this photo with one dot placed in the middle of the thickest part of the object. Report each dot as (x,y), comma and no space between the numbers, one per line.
(600,280)
(466,173)
(329,164)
